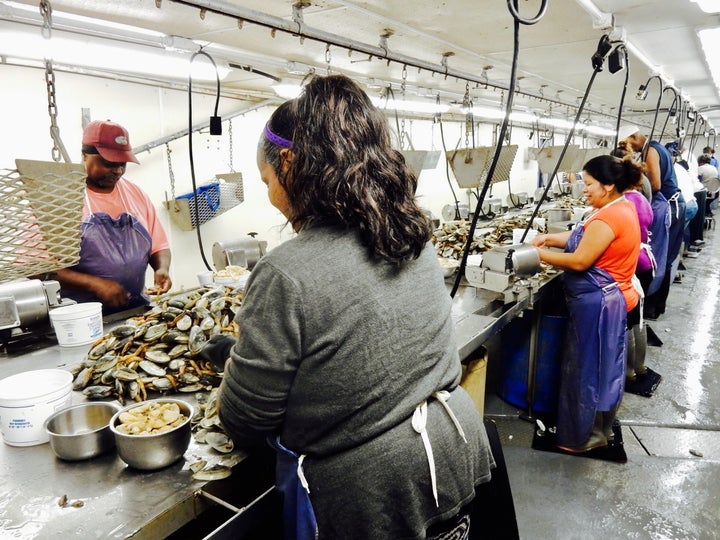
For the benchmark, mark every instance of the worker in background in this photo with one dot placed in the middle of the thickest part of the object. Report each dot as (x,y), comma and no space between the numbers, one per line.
(120,232)
(710,151)
(347,360)
(602,293)
(661,173)
(708,175)
(644,271)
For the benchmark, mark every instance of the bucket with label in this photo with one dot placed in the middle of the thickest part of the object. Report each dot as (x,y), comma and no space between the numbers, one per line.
(77,324)
(28,399)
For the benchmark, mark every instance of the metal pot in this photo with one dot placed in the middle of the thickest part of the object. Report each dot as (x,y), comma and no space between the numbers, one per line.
(555,215)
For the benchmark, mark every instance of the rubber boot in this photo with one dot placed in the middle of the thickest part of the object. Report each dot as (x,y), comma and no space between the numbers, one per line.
(608,418)
(640,350)
(597,437)
(630,348)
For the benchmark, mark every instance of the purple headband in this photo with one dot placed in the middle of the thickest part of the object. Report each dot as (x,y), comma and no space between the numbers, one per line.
(276,139)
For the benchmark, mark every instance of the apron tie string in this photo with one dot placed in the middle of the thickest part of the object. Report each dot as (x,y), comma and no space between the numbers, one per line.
(419,424)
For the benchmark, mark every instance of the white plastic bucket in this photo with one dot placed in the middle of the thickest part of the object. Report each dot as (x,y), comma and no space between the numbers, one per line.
(28,399)
(77,324)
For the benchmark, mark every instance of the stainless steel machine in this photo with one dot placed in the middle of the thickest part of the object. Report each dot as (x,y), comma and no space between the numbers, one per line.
(507,270)
(245,252)
(25,306)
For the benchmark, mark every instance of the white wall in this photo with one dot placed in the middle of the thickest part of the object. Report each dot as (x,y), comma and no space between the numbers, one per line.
(151,113)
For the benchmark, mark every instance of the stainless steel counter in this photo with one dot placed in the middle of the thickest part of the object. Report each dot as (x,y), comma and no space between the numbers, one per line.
(120,502)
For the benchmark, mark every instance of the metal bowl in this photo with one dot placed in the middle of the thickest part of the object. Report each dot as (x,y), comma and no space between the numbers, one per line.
(153,451)
(81,431)
(449,266)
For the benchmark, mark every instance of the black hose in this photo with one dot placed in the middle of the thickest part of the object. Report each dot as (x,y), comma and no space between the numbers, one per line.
(517,20)
(562,153)
(190,147)
(622,95)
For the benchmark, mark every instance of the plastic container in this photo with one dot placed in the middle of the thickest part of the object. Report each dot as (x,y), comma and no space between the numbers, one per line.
(516,356)
(28,399)
(77,324)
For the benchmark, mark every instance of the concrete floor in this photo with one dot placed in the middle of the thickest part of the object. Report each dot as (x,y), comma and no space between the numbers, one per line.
(670,486)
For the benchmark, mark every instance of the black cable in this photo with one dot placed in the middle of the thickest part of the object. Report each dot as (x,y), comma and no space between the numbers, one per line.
(517,20)
(190,147)
(253,70)
(512,6)
(672,110)
(623,94)
(562,153)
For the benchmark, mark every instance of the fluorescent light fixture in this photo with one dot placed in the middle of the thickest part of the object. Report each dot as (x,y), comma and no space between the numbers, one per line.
(597,130)
(59,15)
(92,54)
(710,39)
(708,6)
(428,107)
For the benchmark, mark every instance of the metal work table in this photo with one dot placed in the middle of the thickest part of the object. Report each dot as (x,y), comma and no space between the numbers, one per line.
(120,502)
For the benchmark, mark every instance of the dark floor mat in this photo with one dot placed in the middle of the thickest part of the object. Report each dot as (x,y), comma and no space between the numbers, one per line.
(545,440)
(644,385)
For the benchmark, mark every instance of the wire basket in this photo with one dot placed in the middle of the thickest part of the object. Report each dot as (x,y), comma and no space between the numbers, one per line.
(40,215)
(214,198)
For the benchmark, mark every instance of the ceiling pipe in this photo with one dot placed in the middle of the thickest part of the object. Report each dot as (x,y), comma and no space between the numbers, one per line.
(298,28)
(203,125)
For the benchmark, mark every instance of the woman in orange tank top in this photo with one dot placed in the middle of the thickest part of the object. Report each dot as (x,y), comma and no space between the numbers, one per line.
(599,260)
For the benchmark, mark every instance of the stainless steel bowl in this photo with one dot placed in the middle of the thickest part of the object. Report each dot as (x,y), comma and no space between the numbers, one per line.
(81,431)
(153,451)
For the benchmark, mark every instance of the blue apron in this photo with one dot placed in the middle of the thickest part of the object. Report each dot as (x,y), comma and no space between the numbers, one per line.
(593,370)
(116,249)
(659,232)
(299,521)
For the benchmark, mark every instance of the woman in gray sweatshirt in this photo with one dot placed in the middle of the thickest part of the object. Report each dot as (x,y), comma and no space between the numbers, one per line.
(346,361)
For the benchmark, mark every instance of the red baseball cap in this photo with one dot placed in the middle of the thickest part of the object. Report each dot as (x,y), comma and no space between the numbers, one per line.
(111,141)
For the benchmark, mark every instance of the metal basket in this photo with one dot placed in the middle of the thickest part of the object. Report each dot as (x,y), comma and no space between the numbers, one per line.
(213,199)
(40,215)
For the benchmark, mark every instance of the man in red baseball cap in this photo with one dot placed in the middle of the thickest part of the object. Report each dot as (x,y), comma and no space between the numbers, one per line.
(120,234)
(108,139)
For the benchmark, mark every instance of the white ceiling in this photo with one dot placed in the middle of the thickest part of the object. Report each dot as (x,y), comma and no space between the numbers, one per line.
(457,37)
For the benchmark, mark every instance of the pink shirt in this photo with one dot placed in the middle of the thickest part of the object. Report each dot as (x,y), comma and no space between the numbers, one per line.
(128,197)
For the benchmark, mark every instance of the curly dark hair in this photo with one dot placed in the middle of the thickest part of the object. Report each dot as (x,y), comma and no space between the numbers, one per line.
(610,170)
(344,171)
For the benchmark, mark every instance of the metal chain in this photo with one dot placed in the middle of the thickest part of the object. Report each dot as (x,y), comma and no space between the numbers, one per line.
(58,150)
(46,12)
(52,110)
(170,171)
(230,143)
(467,105)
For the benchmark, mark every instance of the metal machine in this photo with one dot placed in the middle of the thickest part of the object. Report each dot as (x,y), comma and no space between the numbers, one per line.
(25,304)
(506,270)
(245,252)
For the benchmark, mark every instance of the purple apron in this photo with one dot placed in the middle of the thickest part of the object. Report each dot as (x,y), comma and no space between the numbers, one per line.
(299,521)
(659,232)
(593,371)
(117,249)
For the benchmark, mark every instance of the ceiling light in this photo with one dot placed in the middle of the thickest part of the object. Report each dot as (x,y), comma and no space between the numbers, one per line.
(710,39)
(85,22)
(94,54)
(708,6)
(429,107)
